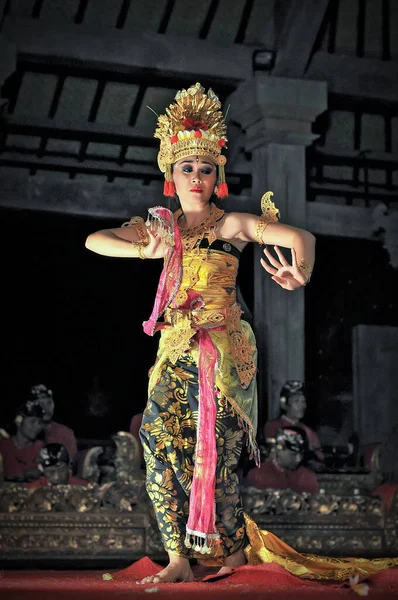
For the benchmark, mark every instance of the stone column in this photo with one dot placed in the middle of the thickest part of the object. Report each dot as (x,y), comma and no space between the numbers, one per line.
(277,115)
(8,63)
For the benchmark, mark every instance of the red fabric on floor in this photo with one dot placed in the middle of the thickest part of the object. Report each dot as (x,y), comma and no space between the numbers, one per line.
(266,580)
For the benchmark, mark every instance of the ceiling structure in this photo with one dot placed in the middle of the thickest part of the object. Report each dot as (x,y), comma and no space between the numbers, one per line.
(79,76)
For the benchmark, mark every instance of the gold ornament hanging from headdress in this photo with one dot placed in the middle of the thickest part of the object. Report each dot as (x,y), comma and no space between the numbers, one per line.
(193,125)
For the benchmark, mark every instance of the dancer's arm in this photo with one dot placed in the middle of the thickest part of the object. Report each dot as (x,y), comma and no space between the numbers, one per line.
(124,242)
(244,227)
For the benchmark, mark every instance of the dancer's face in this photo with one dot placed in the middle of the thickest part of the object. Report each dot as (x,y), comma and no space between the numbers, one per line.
(194,178)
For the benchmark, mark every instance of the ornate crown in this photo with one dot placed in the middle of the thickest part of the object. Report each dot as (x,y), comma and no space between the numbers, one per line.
(194,124)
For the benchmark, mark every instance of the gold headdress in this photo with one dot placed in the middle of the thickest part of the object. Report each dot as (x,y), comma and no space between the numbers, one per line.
(194,124)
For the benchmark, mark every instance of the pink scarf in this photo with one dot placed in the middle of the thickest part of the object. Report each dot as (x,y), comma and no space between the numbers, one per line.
(170,277)
(201,532)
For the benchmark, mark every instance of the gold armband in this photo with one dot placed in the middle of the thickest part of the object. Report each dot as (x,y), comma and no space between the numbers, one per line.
(305,269)
(270,214)
(262,224)
(139,224)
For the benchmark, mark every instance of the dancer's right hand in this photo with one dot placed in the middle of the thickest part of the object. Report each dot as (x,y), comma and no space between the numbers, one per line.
(156,247)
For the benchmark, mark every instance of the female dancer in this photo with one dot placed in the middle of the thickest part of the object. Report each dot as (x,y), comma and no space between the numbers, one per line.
(202,402)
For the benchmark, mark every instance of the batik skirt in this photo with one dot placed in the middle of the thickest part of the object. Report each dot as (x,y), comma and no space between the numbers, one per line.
(168,435)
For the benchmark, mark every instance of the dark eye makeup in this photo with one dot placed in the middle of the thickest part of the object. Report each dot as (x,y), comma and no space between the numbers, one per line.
(189,169)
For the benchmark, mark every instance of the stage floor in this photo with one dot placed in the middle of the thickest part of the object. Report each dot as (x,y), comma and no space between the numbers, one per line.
(268,581)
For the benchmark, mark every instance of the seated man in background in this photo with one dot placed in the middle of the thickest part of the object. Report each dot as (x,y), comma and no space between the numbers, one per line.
(20,452)
(53,432)
(293,406)
(54,465)
(283,468)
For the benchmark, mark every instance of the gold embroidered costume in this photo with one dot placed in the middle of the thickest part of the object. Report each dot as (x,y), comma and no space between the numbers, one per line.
(212,275)
(170,420)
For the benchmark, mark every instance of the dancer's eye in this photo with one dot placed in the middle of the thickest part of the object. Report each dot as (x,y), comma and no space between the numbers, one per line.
(187,169)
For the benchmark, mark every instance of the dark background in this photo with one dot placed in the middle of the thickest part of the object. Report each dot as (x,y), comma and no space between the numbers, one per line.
(70,315)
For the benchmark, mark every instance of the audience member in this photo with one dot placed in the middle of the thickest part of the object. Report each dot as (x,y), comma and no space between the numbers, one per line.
(283,469)
(54,464)
(293,406)
(20,452)
(53,432)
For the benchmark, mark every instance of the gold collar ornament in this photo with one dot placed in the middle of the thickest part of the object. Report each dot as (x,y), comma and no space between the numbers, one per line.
(193,126)
(206,229)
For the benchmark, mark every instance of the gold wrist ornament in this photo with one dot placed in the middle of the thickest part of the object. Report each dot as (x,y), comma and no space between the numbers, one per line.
(143,238)
(140,249)
(270,214)
(305,269)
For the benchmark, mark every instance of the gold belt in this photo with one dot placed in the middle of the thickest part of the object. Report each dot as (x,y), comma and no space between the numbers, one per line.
(185,323)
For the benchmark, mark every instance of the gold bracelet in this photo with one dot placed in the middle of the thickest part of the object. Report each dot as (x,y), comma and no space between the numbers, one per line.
(305,269)
(140,249)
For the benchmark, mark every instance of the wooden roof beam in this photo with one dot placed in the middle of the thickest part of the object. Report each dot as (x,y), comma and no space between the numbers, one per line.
(298,37)
(79,130)
(338,155)
(358,78)
(129,52)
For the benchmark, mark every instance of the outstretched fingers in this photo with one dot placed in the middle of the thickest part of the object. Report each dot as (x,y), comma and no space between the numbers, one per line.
(271,259)
(294,257)
(282,259)
(266,266)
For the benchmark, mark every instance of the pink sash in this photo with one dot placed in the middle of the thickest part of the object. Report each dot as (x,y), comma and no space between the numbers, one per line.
(201,532)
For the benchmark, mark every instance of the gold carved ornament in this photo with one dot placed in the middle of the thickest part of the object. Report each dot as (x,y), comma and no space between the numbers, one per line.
(181,334)
(185,323)
(241,350)
(270,214)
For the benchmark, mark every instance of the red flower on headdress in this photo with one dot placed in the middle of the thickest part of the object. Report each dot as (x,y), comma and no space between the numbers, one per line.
(192,124)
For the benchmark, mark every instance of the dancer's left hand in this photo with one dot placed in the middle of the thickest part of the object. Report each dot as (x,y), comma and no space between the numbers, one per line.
(284,274)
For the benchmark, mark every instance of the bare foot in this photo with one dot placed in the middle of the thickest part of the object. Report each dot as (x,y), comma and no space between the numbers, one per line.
(238,559)
(179,569)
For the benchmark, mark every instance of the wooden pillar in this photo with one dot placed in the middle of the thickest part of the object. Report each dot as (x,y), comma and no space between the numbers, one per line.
(8,62)
(277,115)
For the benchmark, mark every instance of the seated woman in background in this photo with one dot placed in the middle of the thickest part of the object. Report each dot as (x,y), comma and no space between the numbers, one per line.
(20,452)
(293,406)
